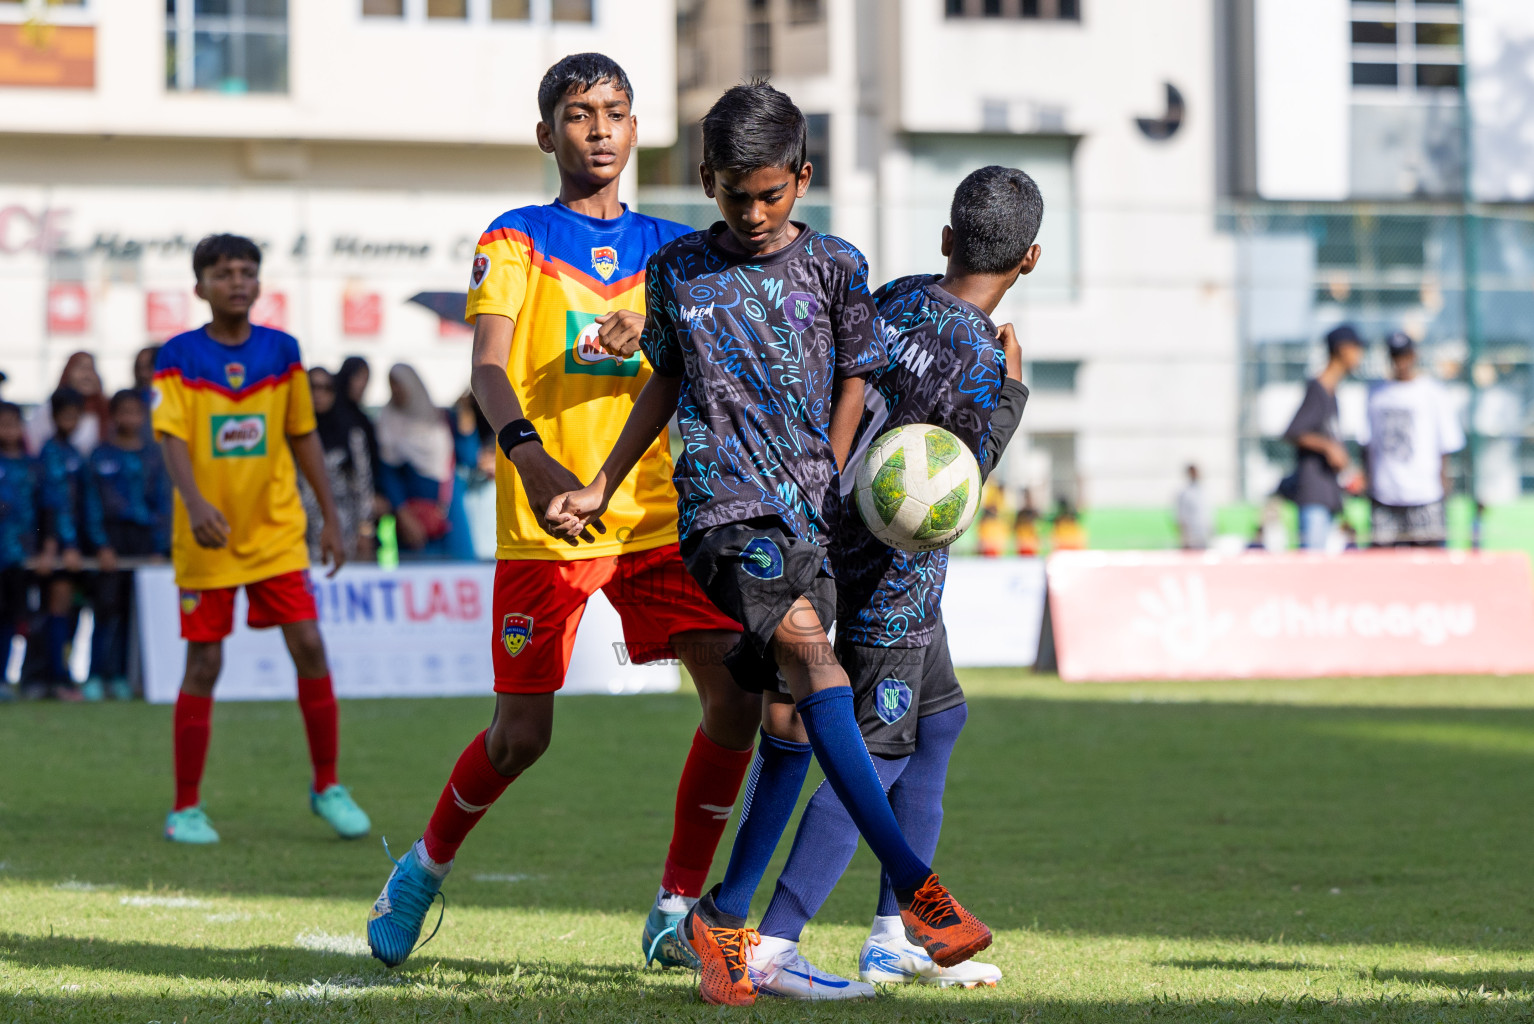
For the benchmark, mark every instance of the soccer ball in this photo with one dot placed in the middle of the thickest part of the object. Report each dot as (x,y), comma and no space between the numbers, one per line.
(918,487)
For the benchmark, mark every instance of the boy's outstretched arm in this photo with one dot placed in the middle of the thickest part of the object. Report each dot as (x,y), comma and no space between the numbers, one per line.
(541,475)
(570,514)
(310,456)
(846,414)
(209,526)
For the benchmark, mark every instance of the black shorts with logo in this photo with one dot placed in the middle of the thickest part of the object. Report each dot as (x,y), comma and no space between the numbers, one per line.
(894,687)
(755,571)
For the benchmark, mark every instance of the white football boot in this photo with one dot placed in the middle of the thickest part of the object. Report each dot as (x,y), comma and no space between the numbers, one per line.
(889,958)
(777,969)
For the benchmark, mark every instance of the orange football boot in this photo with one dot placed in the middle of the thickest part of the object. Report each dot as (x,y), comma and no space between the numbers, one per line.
(721,951)
(935,921)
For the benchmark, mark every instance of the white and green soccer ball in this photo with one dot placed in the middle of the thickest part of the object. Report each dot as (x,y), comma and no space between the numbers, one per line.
(918,487)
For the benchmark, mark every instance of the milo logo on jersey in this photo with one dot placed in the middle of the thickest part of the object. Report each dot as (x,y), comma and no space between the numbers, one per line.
(239,436)
(584,352)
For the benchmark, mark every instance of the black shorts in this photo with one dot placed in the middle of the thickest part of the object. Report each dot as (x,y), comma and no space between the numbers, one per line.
(894,687)
(754,572)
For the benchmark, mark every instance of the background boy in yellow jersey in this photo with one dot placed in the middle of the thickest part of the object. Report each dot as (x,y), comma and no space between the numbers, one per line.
(556,294)
(232,412)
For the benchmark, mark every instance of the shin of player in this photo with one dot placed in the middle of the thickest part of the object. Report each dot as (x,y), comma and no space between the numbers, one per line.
(233,414)
(556,295)
(964,375)
(769,369)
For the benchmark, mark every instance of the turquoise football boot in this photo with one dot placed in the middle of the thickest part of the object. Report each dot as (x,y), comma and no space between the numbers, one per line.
(338,808)
(659,942)
(395,921)
(190,825)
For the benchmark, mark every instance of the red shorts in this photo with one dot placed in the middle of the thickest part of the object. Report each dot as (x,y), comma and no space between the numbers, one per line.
(207,616)
(538,605)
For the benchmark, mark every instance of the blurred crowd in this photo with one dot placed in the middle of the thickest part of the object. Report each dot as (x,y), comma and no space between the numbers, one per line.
(85,499)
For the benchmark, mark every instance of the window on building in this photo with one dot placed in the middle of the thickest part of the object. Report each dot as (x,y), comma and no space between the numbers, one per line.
(991,8)
(1438,76)
(383,8)
(455,9)
(1438,33)
(1057,377)
(758,40)
(806,12)
(233,46)
(1047,10)
(511,10)
(573,10)
(1375,74)
(817,147)
(1374,32)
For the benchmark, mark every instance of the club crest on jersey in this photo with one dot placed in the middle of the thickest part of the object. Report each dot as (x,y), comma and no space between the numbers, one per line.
(604,260)
(762,559)
(480,272)
(892,699)
(190,599)
(234,373)
(516,631)
(799,309)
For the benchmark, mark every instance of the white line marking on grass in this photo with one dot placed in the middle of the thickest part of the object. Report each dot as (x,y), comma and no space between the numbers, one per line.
(337,988)
(226,918)
(74,886)
(324,942)
(172,902)
(504,878)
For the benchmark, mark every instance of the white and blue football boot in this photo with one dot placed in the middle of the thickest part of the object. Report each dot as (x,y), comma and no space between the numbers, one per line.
(889,958)
(394,924)
(777,969)
(659,941)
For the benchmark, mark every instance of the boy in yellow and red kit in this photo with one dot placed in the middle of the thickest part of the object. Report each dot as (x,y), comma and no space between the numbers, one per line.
(233,414)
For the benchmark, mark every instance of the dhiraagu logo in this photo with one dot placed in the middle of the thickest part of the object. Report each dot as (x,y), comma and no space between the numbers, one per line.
(239,436)
(584,352)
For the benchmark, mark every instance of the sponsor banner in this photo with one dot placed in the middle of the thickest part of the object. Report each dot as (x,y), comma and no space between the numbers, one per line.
(1171,615)
(993,608)
(417,631)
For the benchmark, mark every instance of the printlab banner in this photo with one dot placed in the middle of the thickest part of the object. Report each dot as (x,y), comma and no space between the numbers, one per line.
(1171,615)
(418,631)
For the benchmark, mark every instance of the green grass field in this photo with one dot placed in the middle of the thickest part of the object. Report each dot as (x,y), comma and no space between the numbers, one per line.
(1332,850)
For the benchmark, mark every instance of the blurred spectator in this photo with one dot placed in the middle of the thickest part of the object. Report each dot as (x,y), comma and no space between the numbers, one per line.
(351,384)
(79,376)
(1273,530)
(349,466)
(352,380)
(1320,455)
(1411,431)
(135,496)
(1195,524)
(143,383)
(1070,534)
(992,528)
(1025,528)
(415,447)
(474,448)
(71,527)
(3,379)
(18,529)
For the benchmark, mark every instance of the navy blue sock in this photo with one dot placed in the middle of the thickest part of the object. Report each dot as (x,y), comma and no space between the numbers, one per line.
(823,847)
(57,639)
(772,789)
(917,796)
(832,725)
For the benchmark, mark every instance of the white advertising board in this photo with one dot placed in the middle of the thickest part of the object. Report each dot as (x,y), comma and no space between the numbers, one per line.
(417,631)
(993,608)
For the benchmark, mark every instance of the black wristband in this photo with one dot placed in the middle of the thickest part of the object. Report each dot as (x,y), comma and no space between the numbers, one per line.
(514,433)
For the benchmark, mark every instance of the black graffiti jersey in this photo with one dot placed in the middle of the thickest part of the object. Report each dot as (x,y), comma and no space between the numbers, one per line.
(757,342)
(946,368)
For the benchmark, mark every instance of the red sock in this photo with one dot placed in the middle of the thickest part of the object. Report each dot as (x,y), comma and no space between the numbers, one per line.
(317,700)
(704,798)
(471,789)
(193,721)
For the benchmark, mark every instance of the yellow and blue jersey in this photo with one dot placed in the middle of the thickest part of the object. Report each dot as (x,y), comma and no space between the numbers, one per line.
(235,407)
(554,271)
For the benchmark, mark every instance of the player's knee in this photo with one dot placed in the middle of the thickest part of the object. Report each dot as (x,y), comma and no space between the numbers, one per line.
(308,650)
(514,746)
(203,664)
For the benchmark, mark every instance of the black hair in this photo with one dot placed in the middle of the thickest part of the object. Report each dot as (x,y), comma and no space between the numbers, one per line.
(125,395)
(65,398)
(10,409)
(577,73)
(995,217)
(753,126)
(216,247)
(1342,334)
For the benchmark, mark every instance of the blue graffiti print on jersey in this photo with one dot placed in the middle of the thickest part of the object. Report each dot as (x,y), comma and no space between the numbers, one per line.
(759,342)
(20,483)
(946,368)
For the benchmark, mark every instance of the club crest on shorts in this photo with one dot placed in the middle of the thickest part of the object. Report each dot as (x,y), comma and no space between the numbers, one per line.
(892,699)
(190,599)
(762,559)
(235,374)
(604,260)
(480,271)
(516,631)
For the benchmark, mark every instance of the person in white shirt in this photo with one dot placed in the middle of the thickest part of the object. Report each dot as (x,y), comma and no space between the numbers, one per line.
(1411,431)
(1194,523)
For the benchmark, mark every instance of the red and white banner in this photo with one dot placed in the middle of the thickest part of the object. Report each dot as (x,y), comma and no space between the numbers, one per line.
(1171,615)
